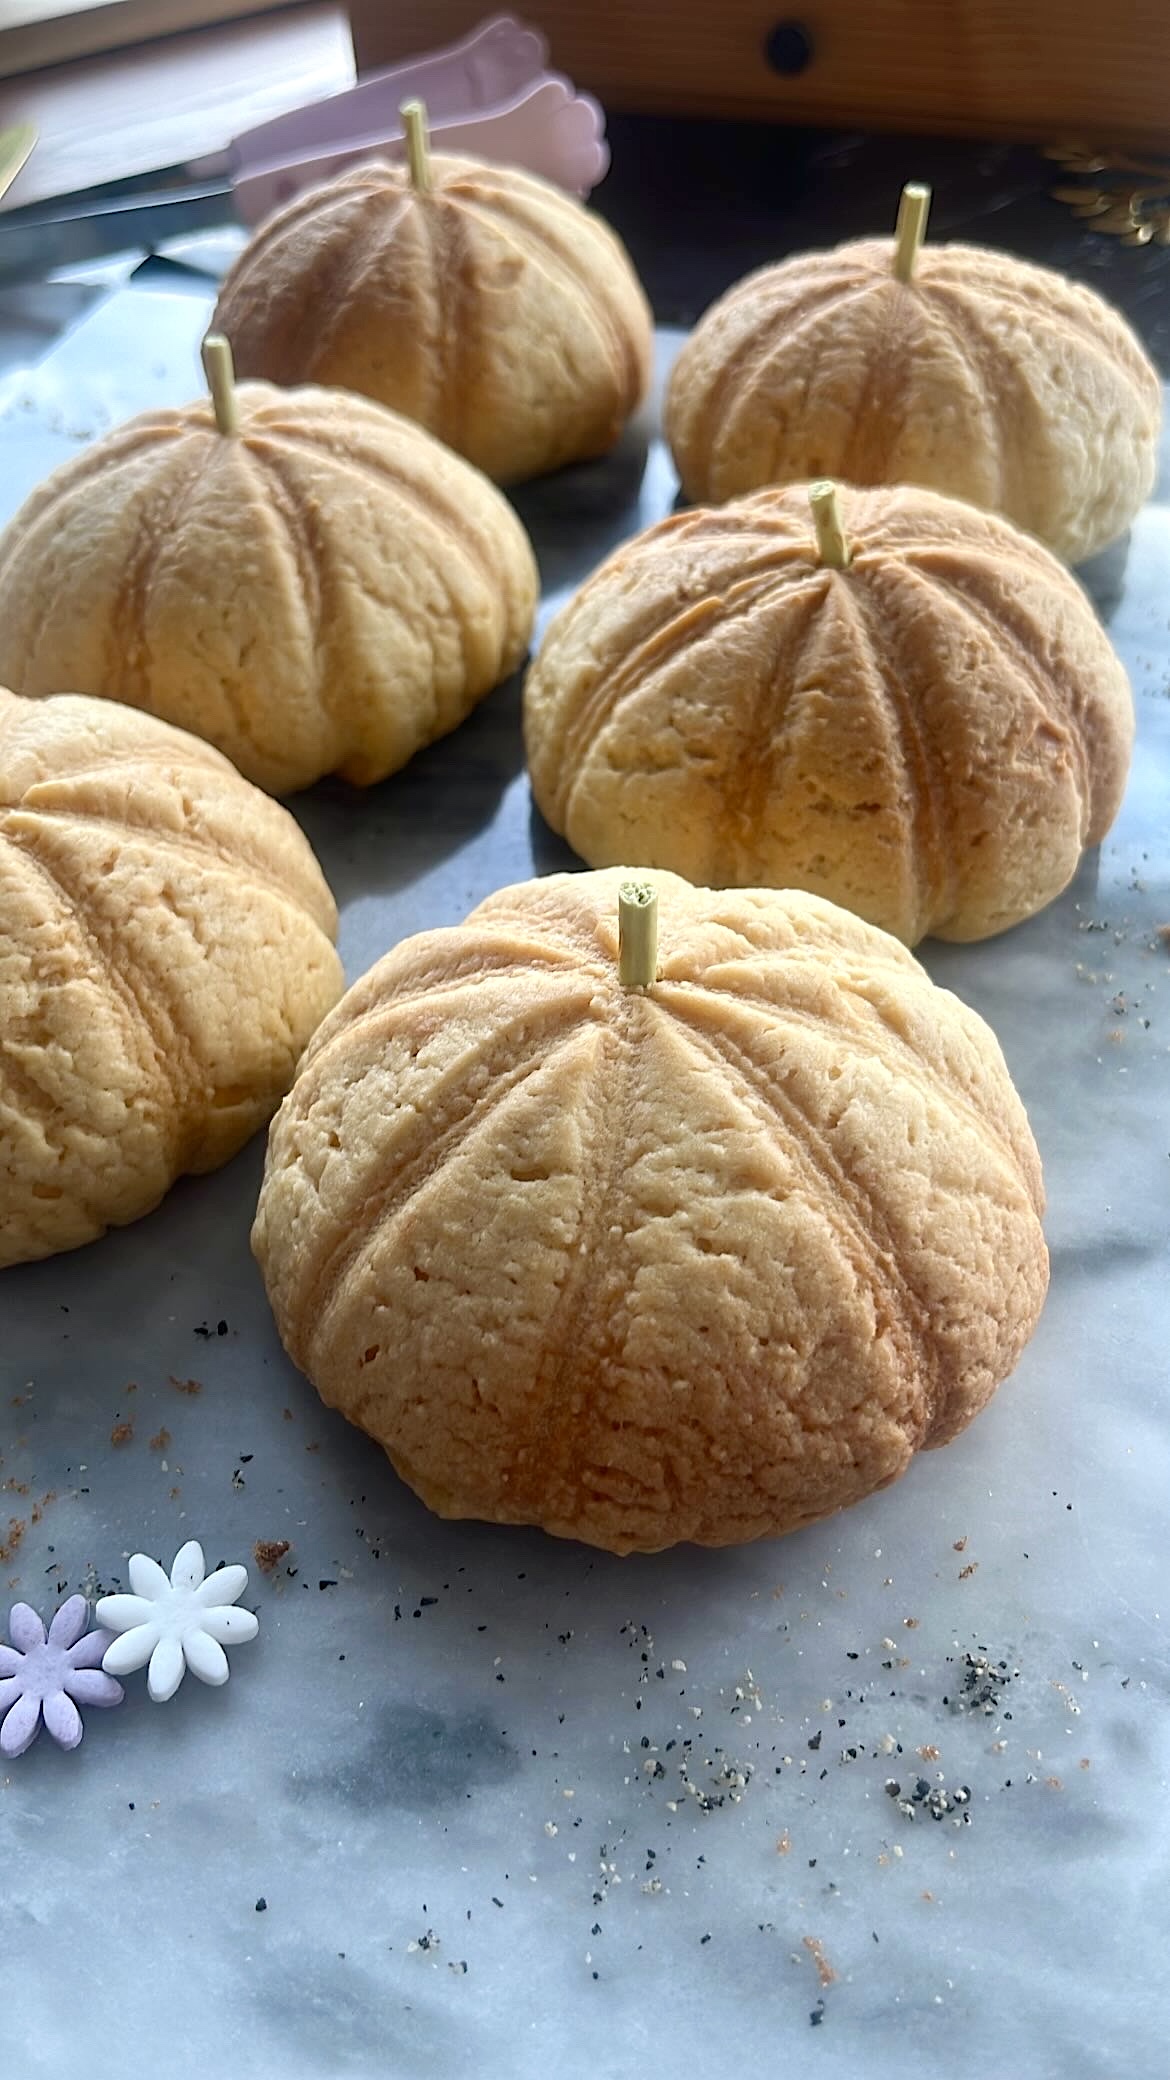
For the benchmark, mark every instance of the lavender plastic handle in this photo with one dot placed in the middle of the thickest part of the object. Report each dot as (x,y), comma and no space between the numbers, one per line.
(550,130)
(488,68)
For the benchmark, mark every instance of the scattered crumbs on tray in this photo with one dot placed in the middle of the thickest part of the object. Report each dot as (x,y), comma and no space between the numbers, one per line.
(982,1682)
(825,1973)
(13,1539)
(122,1433)
(682,1782)
(202,1329)
(934,1799)
(184,1386)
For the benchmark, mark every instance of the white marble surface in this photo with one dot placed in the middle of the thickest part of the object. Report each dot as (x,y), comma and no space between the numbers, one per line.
(438,1733)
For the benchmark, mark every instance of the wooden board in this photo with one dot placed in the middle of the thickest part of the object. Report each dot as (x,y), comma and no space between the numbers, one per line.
(983,67)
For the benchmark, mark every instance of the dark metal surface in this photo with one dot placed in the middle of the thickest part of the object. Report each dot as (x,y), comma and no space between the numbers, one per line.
(42,239)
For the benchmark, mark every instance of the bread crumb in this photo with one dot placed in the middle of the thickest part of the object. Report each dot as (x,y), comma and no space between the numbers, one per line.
(121,1433)
(185,1386)
(269,1552)
(160,1440)
(825,1972)
(16,1530)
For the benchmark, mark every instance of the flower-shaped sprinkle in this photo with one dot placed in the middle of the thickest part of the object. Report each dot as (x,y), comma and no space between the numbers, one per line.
(177,1624)
(50,1676)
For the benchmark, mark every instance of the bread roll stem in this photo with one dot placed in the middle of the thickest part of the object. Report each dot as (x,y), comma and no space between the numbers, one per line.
(418,149)
(637,934)
(832,546)
(221,381)
(913,211)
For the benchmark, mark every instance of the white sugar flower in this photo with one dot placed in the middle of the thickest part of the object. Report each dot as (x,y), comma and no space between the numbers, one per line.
(177,1624)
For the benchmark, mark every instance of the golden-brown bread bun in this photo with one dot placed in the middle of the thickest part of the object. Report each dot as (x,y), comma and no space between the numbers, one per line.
(494,309)
(930,736)
(326,590)
(983,376)
(702,1262)
(166,949)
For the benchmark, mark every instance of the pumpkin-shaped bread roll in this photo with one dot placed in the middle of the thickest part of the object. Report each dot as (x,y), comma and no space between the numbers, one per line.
(955,367)
(701,1244)
(166,949)
(488,305)
(318,587)
(885,697)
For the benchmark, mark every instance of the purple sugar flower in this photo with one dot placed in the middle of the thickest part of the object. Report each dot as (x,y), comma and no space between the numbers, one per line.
(51,1676)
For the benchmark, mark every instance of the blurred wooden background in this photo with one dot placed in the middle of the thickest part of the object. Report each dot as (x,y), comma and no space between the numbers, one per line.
(990,68)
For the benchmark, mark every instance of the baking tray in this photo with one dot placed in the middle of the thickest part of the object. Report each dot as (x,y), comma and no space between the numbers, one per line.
(481,1803)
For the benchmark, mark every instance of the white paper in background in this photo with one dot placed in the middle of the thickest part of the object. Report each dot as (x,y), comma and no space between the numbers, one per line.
(182,97)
